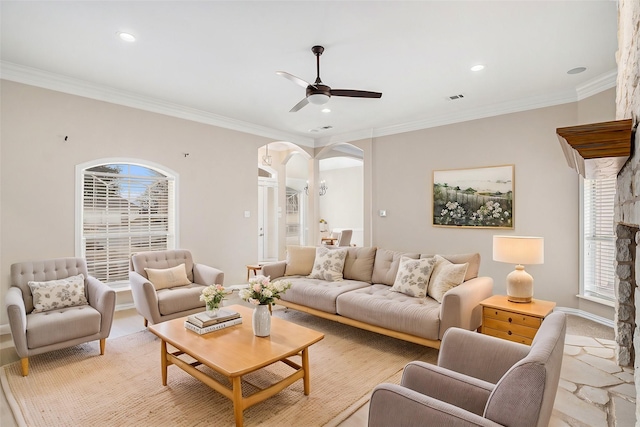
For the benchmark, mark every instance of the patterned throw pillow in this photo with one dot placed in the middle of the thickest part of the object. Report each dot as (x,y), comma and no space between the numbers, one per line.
(413,276)
(162,278)
(445,276)
(328,264)
(56,294)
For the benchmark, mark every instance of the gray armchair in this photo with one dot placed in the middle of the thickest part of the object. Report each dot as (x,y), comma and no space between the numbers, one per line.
(159,305)
(36,332)
(479,381)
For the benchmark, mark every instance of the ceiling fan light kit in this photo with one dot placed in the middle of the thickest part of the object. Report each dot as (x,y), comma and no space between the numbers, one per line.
(318,93)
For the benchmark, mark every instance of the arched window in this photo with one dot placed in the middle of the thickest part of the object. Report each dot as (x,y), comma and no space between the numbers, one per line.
(125,207)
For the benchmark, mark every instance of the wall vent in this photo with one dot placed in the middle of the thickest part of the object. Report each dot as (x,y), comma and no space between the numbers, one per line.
(454,97)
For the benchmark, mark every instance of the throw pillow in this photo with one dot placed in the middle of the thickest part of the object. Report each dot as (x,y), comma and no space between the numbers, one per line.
(413,276)
(445,276)
(328,264)
(56,294)
(299,260)
(168,277)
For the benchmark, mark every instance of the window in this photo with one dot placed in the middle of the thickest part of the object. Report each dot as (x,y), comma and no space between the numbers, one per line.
(599,243)
(125,208)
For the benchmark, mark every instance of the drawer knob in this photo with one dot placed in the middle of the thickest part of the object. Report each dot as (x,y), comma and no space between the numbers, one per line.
(510,320)
(509,332)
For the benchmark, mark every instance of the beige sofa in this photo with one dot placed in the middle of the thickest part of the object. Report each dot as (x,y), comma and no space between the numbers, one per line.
(365,293)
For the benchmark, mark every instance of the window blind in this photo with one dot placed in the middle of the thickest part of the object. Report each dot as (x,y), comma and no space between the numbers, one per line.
(126,209)
(599,237)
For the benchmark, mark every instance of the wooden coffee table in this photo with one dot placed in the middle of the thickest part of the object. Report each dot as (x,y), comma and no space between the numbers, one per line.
(235,351)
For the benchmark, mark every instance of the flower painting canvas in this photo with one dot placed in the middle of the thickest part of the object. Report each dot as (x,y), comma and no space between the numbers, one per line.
(479,197)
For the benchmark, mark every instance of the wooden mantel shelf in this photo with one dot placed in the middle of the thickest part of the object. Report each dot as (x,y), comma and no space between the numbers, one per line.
(597,150)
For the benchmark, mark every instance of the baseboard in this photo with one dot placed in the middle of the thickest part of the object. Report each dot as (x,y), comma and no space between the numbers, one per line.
(127,306)
(5,329)
(586,315)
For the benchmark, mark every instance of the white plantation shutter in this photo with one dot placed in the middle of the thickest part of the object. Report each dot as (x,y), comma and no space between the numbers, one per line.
(599,237)
(125,209)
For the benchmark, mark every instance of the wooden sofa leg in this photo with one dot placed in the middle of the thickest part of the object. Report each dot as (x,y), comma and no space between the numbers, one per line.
(146,323)
(24,363)
(103,342)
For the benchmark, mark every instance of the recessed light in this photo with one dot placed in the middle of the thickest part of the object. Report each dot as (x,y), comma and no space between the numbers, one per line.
(127,37)
(576,70)
(477,67)
(326,110)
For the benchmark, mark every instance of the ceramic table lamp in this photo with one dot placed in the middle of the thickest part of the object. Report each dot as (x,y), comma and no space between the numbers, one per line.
(519,250)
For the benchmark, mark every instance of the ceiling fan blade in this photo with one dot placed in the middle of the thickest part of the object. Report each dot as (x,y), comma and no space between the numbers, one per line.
(355,93)
(299,105)
(296,80)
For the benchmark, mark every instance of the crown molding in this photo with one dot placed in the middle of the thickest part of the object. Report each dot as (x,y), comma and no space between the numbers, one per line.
(531,103)
(57,82)
(35,77)
(585,90)
(597,85)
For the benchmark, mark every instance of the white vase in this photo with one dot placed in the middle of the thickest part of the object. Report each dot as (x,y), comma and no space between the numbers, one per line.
(261,321)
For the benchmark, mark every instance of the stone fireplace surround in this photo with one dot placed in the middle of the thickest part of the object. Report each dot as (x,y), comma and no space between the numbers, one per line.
(627,206)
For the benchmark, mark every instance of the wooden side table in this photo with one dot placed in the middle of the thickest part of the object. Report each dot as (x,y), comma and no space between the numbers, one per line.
(253,267)
(512,321)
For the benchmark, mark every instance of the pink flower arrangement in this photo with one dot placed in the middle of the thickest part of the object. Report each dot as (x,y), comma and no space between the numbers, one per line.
(213,295)
(262,291)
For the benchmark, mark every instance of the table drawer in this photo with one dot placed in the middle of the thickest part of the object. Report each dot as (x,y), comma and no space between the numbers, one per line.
(509,328)
(511,317)
(505,335)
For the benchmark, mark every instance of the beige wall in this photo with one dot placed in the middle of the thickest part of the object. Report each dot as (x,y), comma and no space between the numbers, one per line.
(37,178)
(217,181)
(546,190)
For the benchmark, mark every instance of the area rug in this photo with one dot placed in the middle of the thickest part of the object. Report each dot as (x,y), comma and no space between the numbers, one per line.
(77,386)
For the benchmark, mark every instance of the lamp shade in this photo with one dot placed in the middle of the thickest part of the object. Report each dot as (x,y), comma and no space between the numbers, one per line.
(518,249)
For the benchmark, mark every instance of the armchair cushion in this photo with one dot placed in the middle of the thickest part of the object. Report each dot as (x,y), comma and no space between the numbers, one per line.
(183,298)
(163,278)
(57,294)
(57,326)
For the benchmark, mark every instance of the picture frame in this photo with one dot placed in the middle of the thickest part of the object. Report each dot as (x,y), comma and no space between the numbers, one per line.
(480,197)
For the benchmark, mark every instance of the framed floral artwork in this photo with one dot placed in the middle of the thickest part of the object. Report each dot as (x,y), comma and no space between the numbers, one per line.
(479,197)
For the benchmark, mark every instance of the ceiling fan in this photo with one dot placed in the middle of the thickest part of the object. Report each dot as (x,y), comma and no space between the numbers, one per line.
(318,93)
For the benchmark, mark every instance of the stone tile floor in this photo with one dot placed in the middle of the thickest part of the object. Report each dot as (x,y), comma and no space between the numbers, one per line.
(593,390)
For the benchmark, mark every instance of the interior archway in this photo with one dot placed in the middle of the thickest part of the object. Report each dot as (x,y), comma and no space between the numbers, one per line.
(340,189)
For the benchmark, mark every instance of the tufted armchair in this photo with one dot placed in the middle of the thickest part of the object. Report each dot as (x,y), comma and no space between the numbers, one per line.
(38,329)
(480,380)
(158,302)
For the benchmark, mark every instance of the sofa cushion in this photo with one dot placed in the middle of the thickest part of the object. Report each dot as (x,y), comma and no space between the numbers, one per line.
(319,294)
(56,294)
(386,265)
(328,264)
(378,305)
(445,276)
(413,276)
(472,259)
(359,264)
(299,260)
(162,278)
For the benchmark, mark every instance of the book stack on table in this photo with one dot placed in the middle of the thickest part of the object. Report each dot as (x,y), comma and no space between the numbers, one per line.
(201,323)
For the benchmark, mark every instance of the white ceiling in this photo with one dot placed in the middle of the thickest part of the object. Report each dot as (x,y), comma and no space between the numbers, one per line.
(215,61)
